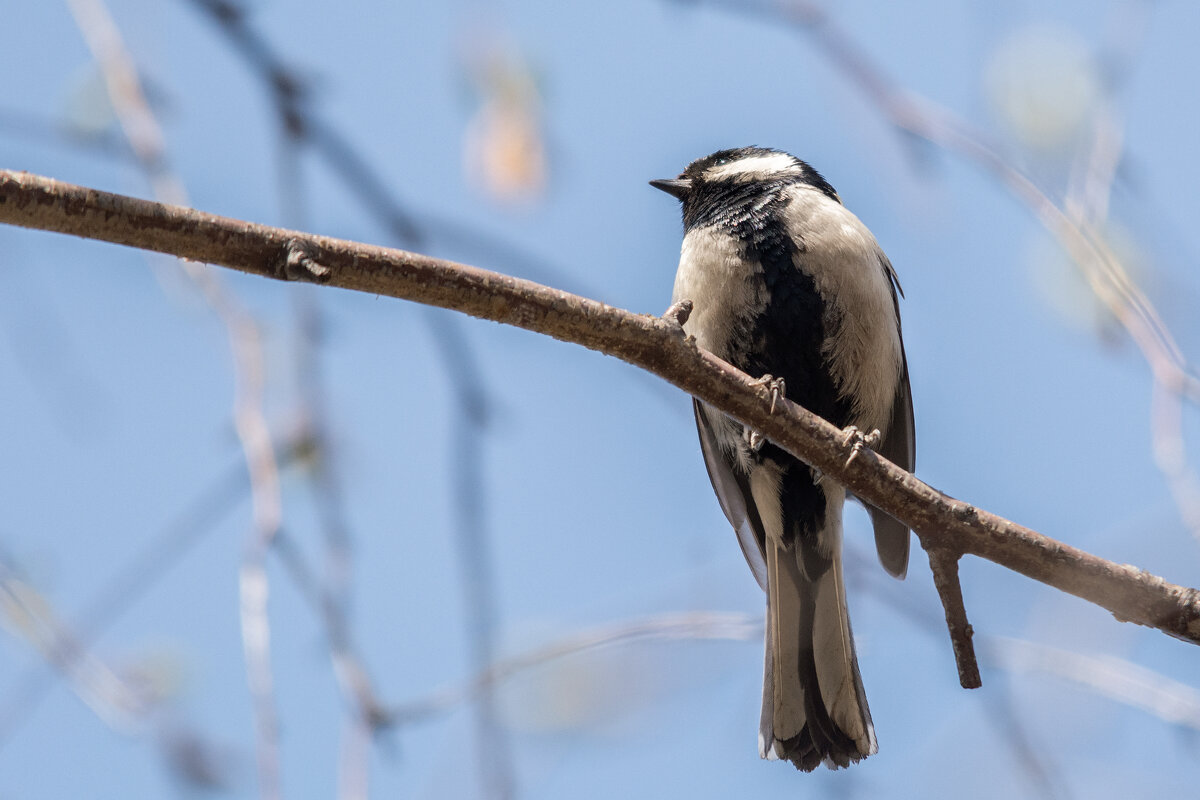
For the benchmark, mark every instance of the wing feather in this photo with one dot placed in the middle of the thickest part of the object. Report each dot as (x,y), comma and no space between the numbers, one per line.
(733,493)
(898,446)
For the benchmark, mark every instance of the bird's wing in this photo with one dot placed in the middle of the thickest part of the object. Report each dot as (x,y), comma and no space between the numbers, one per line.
(900,447)
(733,493)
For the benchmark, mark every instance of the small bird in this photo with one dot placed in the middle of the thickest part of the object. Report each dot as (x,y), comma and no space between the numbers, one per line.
(788,285)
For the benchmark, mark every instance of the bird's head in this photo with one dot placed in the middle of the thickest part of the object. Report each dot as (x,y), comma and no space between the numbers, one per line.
(728,177)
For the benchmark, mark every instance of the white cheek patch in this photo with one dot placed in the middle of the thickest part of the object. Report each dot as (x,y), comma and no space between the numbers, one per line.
(754,168)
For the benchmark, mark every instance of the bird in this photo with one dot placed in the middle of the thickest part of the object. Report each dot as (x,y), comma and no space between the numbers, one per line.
(789,286)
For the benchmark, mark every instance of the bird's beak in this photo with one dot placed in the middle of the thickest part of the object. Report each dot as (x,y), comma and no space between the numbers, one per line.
(676,187)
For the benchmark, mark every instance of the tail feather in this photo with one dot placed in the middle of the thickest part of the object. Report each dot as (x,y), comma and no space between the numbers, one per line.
(814,707)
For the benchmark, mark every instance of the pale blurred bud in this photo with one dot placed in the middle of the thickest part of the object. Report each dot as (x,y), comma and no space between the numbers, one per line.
(1044,83)
(504,151)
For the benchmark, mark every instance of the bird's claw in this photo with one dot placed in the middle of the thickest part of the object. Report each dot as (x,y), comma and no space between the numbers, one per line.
(855,439)
(778,389)
(775,385)
(754,440)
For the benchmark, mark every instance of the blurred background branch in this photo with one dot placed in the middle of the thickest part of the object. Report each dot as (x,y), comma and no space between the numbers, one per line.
(146,141)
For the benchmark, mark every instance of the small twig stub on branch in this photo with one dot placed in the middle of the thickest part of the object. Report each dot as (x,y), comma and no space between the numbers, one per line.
(944,564)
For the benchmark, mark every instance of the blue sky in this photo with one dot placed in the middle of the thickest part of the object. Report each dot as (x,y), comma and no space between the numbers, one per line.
(118,390)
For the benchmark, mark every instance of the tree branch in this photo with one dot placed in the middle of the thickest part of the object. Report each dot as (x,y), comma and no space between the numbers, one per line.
(655,344)
(944,564)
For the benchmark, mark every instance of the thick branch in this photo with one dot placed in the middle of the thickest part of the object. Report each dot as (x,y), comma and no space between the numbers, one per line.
(651,343)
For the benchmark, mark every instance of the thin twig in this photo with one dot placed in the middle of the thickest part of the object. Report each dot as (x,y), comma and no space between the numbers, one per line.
(1089,193)
(866,578)
(694,625)
(1035,759)
(1170,456)
(332,598)
(1108,676)
(354,779)
(118,702)
(1076,224)
(349,668)
(1114,678)
(1076,232)
(1089,188)
(480,598)
(149,565)
(124,89)
(300,118)
(927,120)
(1102,674)
(146,140)
(302,125)
(944,564)
(645,341)
(117,697)
(42,131)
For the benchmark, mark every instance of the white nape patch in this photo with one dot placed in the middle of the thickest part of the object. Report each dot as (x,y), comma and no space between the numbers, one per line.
(754,168)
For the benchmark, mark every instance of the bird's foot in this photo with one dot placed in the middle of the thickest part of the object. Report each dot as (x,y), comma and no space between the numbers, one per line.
(855,439)
(778,389)
(775,385)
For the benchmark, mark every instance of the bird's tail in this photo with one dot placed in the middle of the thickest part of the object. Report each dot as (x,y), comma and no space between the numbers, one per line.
(814,708)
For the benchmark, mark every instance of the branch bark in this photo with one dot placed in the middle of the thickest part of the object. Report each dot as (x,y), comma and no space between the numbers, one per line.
(652,343)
